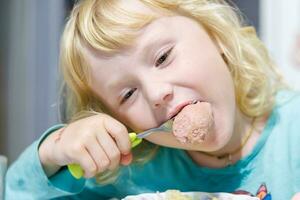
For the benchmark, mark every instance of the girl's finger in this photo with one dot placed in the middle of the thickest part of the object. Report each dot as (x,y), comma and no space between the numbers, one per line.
(85,160)
(126,159)
(98,154)
(110,148)
(119,132)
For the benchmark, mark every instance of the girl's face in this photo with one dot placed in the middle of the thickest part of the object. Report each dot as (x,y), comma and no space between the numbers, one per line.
(172,61)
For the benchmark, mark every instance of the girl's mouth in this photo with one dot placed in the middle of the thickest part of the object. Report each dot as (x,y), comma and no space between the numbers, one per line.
(180,107)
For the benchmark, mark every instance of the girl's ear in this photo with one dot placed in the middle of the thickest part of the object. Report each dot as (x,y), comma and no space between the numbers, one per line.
(221,52)
(217,45)
(224,58)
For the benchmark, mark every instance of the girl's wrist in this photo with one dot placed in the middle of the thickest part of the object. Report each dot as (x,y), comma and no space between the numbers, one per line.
(45,152)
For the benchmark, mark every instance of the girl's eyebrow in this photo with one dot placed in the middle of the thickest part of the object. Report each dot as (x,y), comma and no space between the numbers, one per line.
(144,51)
(115,82)
(150,47)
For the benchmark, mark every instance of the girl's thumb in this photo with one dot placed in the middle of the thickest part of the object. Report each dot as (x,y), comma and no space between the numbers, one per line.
(126,159)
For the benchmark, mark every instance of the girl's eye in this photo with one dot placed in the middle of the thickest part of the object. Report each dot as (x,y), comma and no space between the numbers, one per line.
(128,95)
(163,58)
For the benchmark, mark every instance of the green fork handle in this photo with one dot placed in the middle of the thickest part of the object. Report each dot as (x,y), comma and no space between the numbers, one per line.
(77,171)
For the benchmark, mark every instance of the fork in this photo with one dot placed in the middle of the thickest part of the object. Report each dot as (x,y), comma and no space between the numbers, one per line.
(135,139)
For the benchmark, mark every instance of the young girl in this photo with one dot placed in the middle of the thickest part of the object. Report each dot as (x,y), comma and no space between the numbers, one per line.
(132,65)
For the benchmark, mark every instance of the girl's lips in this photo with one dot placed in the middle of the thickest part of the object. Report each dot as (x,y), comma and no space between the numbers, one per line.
(179,107)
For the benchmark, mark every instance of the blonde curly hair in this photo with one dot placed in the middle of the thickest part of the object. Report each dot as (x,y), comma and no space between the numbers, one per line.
(108,26)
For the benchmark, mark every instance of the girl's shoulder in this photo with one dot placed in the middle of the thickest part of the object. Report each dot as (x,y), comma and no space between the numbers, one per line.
(288,102)
(286,114)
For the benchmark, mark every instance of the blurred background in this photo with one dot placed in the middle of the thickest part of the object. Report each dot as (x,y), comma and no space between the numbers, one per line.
(29,41)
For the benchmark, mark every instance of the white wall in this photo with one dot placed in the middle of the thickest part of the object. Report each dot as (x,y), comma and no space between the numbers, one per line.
(32,63)
(280,23)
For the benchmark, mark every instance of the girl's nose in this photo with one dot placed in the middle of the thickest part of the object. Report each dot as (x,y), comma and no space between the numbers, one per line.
(160,94)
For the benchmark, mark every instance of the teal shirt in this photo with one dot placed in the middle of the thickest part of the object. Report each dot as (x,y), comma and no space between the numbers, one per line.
(274,164)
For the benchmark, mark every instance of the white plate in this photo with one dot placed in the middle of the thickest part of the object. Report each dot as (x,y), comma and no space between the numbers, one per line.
(193,195)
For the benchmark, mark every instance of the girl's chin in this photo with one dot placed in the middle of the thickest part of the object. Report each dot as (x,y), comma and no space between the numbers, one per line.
(210,144)
(199,148)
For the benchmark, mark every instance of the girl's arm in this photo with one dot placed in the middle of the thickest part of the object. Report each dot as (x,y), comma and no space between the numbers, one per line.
(26,178)
(98,143)
(47,164)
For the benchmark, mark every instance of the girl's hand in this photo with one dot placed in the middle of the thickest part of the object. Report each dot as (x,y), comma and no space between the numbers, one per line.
(96,143)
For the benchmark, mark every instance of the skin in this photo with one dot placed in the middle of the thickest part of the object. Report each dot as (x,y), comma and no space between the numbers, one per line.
(173,60)
(154,91)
